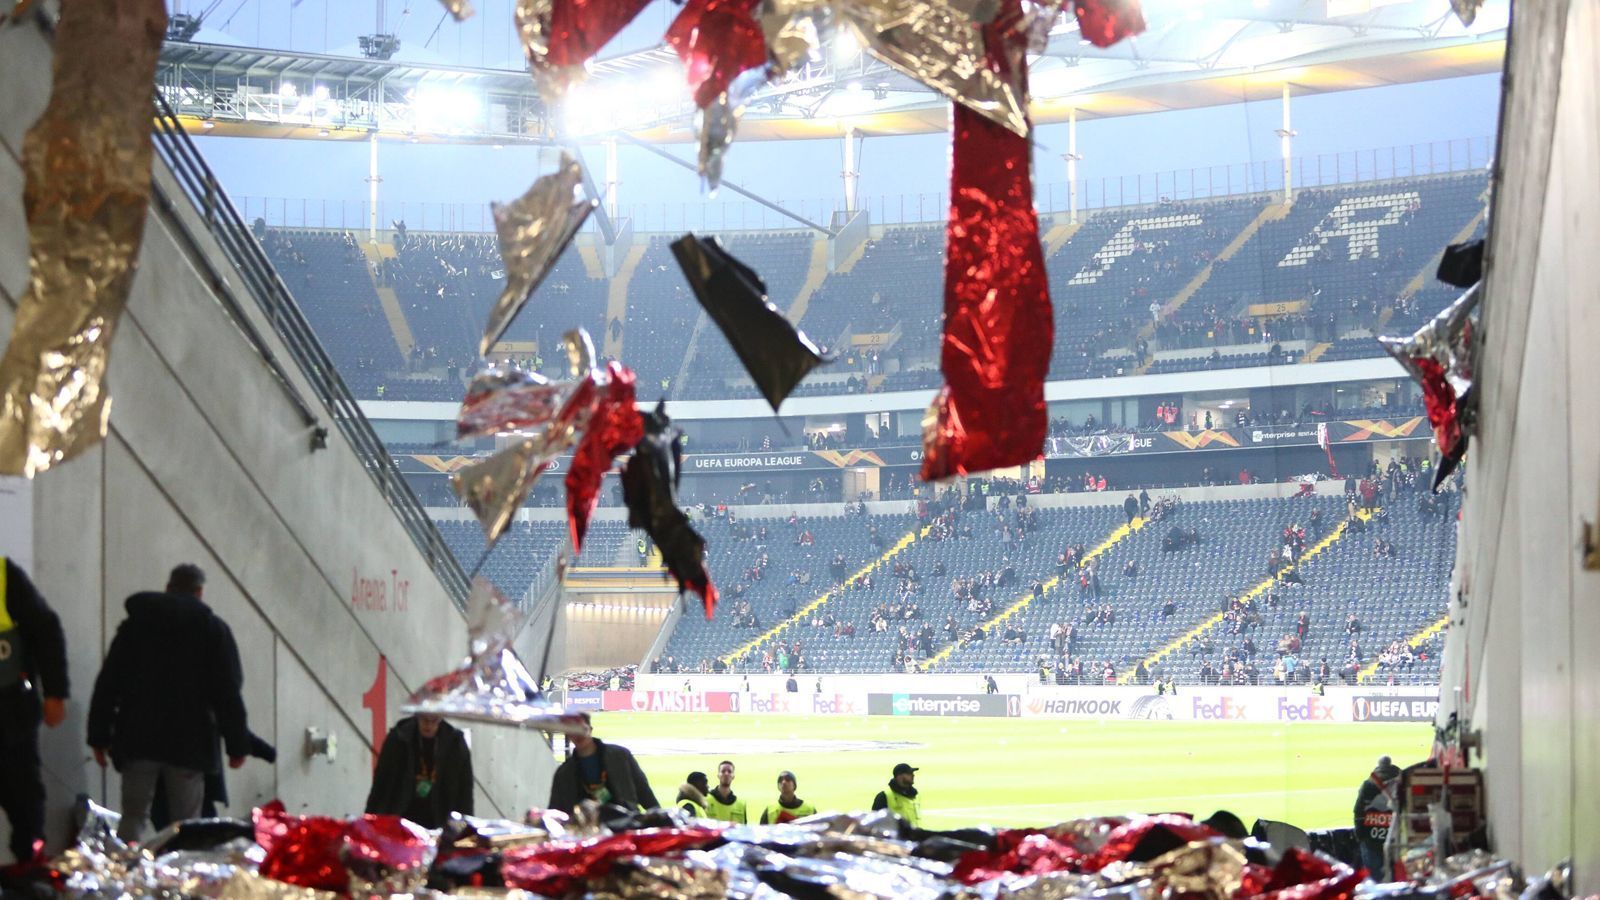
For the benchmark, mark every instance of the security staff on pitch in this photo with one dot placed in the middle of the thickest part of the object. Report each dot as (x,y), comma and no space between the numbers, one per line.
(33,661)
(788,807)
(901,797)
(722,803)
(692,795)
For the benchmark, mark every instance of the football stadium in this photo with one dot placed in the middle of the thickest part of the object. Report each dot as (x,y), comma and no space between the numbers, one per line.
(856,449)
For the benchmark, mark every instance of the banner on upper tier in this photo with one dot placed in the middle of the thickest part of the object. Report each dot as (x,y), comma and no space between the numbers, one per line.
(1352,431)
(945,705)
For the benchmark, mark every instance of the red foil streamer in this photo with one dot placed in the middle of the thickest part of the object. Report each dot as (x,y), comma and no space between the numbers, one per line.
(1439,398)
(579,28)
(301,850)
(613,429)
(1145,839)
(1021,852)
(555,868)
(998,327)
(717,39)
(1104,22)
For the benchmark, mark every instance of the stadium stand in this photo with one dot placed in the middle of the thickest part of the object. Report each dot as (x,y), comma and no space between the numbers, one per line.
(993,590)
(1351,257)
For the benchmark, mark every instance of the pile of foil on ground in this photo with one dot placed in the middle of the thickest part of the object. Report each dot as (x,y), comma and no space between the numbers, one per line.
(613,854)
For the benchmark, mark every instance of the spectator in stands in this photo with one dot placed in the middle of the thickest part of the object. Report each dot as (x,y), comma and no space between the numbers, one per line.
(424,772)
(605,773)
(171,684)
(788,806)
(1130,508)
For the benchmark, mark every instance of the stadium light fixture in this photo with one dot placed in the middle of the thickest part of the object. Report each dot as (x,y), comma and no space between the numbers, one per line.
(288,91)
(845,47)
(207,125)
(320,93)
(443,110)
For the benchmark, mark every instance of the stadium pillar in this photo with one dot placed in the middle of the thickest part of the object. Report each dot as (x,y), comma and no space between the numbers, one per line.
(372,186)
(611,178)
(850,173)
(1286,142)
(1072,157)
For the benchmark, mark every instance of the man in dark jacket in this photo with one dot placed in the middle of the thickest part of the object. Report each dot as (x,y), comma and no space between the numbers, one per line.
(424,772)
(1374,814)
(171,682)
(595,770)
(33,659)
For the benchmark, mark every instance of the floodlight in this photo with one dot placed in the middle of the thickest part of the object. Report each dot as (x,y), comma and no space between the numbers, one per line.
(288,91)
(845,47)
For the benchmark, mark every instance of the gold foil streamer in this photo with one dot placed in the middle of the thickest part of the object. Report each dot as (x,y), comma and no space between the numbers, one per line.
(460,10)
(250,886)
(87,165)
(534,229)
(790,29)
(936,42)
(496,487)
(1466,10)
(1212,869)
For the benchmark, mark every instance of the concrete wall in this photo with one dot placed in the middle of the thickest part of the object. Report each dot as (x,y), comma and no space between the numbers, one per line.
(209,462)
(1520,665)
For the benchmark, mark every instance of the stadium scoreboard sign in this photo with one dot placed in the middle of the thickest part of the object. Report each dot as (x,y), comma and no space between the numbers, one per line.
(945,705)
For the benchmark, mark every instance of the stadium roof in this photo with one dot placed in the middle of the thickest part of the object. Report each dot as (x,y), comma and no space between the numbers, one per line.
(1196,53)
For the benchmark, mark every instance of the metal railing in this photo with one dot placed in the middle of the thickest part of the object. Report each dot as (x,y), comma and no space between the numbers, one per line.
(1050,196)
(261,281)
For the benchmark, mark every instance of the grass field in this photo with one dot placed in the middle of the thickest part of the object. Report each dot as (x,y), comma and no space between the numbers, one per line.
(1027,771)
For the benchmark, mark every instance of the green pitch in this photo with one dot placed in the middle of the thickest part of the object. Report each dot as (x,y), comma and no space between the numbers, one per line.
(1027,771)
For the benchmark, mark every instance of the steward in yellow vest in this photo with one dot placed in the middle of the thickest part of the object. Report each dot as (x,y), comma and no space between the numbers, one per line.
(788,806)
(722,803)
(901,796)
(33,688)
(692,795)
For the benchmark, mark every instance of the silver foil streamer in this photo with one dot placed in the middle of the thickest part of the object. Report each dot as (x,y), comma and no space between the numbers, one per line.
(504,397)
(534,229)
(934,41)
(1446,338)
(496,487)
(492,685)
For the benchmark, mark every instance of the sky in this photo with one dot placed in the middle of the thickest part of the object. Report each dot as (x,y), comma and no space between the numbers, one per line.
(900,175)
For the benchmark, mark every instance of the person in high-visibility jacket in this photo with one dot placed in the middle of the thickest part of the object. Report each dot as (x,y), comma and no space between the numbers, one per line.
(722,803)
(901,796)
(788,807)
(692,795)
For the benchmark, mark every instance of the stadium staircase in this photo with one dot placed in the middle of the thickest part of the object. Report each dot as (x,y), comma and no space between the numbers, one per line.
(816,273)
(811,608)
(1417,640)
(1315,353)
(617,301)
(1248,597)
(403,338)
(1058,235)
(1270,213)
(1113,539)
(589,253)
(1429,271)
